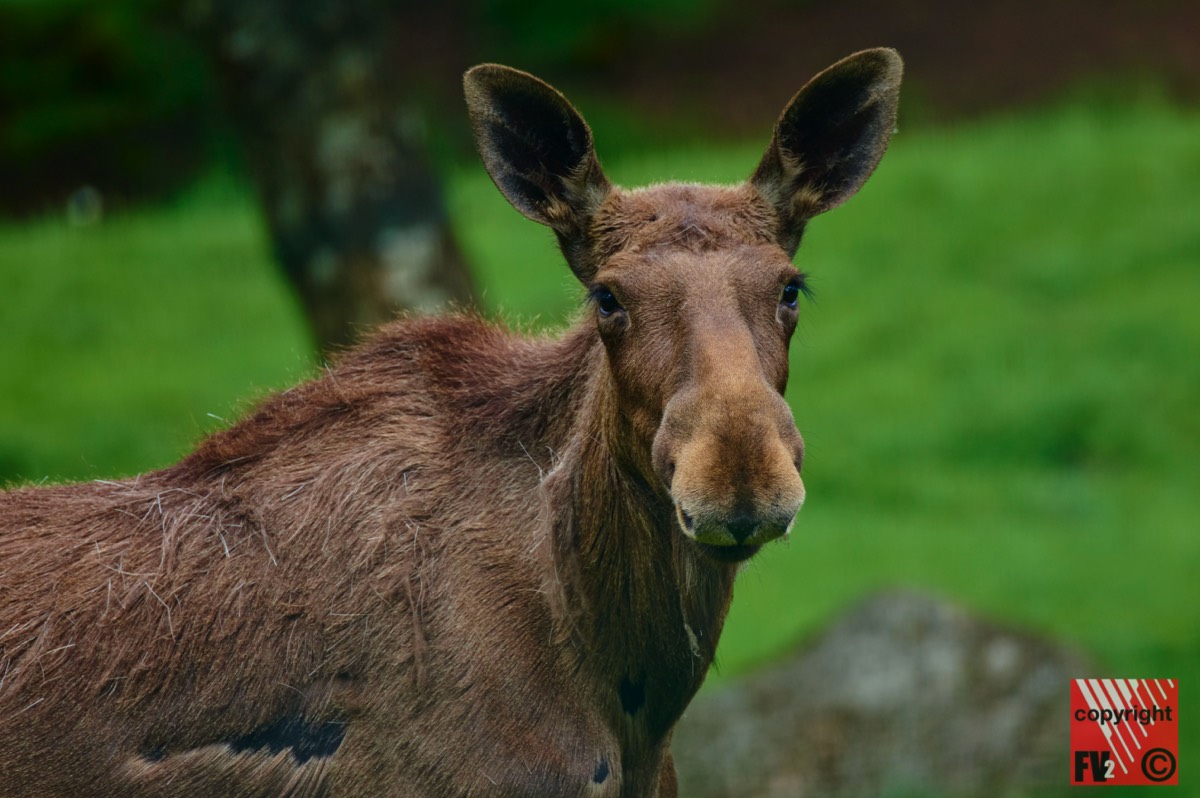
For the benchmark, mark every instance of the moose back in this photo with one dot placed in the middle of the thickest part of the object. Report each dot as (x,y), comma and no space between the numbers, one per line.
(463,562)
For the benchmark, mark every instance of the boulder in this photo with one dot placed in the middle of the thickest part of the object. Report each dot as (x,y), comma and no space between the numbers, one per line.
(904,695)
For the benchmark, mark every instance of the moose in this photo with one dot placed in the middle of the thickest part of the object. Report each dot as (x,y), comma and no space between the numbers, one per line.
(463,561)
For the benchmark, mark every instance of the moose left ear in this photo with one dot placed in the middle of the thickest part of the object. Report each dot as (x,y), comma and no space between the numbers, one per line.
(829,139)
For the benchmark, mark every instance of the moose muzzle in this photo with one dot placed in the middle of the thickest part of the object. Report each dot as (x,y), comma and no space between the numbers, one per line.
(732,460)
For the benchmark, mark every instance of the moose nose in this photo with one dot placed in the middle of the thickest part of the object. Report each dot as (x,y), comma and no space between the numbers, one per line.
(709,526)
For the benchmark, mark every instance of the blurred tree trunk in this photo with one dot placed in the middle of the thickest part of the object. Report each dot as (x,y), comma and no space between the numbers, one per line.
(358,221)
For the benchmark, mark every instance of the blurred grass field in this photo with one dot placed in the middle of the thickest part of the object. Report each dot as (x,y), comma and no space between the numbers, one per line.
(998,381)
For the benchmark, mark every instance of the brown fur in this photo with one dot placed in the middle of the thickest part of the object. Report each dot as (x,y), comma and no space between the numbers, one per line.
(463,562)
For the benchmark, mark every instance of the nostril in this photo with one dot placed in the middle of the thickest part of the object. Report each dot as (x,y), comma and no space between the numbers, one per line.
(741,527)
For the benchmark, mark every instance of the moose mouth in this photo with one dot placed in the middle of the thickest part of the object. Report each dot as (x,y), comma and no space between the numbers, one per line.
(721,552)
(729,554)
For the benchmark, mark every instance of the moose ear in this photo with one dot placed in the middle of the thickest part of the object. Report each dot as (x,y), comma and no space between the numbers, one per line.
(538,150)
(829,139)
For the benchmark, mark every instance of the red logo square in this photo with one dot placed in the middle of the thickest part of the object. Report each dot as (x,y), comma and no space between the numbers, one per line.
(1124,731)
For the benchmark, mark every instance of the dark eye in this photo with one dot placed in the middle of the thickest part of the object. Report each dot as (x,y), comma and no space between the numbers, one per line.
(606,302)
(791,294)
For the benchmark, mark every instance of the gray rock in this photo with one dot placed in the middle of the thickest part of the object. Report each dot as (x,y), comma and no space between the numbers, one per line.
(904,695)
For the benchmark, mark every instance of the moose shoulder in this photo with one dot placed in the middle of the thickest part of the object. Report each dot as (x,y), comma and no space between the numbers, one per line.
(464,561)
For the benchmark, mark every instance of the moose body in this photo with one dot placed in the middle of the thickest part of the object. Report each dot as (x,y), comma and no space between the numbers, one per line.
(463,562)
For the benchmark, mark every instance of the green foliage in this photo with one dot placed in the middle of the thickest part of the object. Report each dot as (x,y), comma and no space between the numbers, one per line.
(545,33)
(997,382)
(120,95)
(84,99)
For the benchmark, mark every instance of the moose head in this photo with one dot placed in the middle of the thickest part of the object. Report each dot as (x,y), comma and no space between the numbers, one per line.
(693,288)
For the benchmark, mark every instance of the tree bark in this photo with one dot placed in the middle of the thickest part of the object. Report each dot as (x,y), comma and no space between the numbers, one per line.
(335,147)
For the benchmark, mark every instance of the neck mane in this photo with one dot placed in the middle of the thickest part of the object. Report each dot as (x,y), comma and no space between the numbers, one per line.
(638,607)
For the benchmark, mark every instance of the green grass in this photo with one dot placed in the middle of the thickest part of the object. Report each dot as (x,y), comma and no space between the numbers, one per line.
(998,383)
(117,341)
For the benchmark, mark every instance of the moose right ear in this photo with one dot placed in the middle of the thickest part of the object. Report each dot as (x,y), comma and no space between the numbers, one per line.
(539,152)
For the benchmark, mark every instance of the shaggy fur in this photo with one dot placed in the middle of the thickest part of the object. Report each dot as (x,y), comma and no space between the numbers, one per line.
(463,562)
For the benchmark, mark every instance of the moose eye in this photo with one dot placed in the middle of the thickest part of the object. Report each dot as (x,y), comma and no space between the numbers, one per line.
(791,294)
(606,303)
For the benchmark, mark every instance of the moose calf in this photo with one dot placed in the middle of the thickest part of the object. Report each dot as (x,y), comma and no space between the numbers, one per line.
(463,562)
